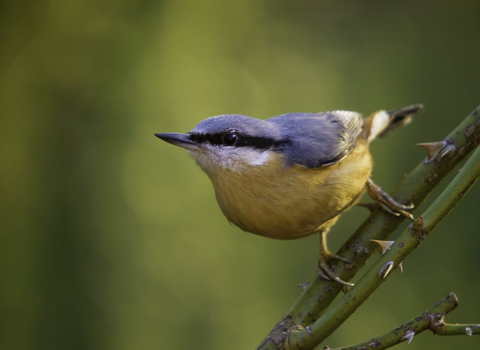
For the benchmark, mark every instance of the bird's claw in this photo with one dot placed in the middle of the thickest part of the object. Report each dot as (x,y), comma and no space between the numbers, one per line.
(387,202)
(324,270)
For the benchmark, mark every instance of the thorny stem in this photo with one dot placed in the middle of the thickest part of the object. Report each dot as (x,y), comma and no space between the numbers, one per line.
(413,188)
(432,319)
(406,243)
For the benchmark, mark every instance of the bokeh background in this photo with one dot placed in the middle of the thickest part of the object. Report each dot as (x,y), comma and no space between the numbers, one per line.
(112,239)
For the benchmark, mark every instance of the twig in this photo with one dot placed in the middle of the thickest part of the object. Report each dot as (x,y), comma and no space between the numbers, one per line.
(459,329)
(432,319)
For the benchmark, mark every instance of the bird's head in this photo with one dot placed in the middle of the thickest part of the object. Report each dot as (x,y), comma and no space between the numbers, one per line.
(229,142)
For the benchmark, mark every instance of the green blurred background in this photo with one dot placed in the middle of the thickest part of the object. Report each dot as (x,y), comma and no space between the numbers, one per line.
(112,239)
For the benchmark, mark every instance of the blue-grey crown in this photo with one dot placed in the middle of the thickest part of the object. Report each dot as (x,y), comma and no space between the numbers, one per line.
(250,132)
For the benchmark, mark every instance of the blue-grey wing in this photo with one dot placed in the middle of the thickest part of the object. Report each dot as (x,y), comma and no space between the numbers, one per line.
(318,139)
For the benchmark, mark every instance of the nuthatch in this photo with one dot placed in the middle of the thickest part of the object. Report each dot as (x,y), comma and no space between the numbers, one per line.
(292,175)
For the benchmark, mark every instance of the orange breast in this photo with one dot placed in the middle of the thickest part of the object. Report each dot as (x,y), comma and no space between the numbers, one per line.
(286,203)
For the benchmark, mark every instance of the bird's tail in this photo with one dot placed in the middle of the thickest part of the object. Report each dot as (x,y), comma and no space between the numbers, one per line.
(382,123)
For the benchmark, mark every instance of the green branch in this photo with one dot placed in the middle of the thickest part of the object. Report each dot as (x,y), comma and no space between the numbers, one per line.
(406,243)
(459,329)
(432,319)
(413,188)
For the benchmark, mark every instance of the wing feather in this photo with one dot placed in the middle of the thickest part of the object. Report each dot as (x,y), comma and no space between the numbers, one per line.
(319,139)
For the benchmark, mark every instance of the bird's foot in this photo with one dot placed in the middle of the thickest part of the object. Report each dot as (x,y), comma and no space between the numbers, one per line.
(387,202)
(324,270)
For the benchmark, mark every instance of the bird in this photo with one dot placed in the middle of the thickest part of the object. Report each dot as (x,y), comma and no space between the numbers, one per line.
(292,175)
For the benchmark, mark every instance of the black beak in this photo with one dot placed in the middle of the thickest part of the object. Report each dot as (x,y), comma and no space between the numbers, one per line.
(181,140)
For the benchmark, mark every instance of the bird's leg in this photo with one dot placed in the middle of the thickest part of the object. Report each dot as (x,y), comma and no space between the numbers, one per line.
(387,202)
(324,258)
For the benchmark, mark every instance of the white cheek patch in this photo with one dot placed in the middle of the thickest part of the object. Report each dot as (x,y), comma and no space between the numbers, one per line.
(258,158)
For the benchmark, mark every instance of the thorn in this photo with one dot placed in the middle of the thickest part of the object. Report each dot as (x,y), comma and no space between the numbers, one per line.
(369,206)
(447,151)
(433,148)
(408,336)
(457,171)
(303,285)
(468,331)
(401,266)
(385,269)
(345,289)
(385,245)
(309,330)
(326,347)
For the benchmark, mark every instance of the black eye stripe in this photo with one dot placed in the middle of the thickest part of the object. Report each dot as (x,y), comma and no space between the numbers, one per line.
(242,141)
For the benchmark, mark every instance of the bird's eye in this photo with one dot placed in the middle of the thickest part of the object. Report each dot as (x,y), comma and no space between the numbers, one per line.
(229,139)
